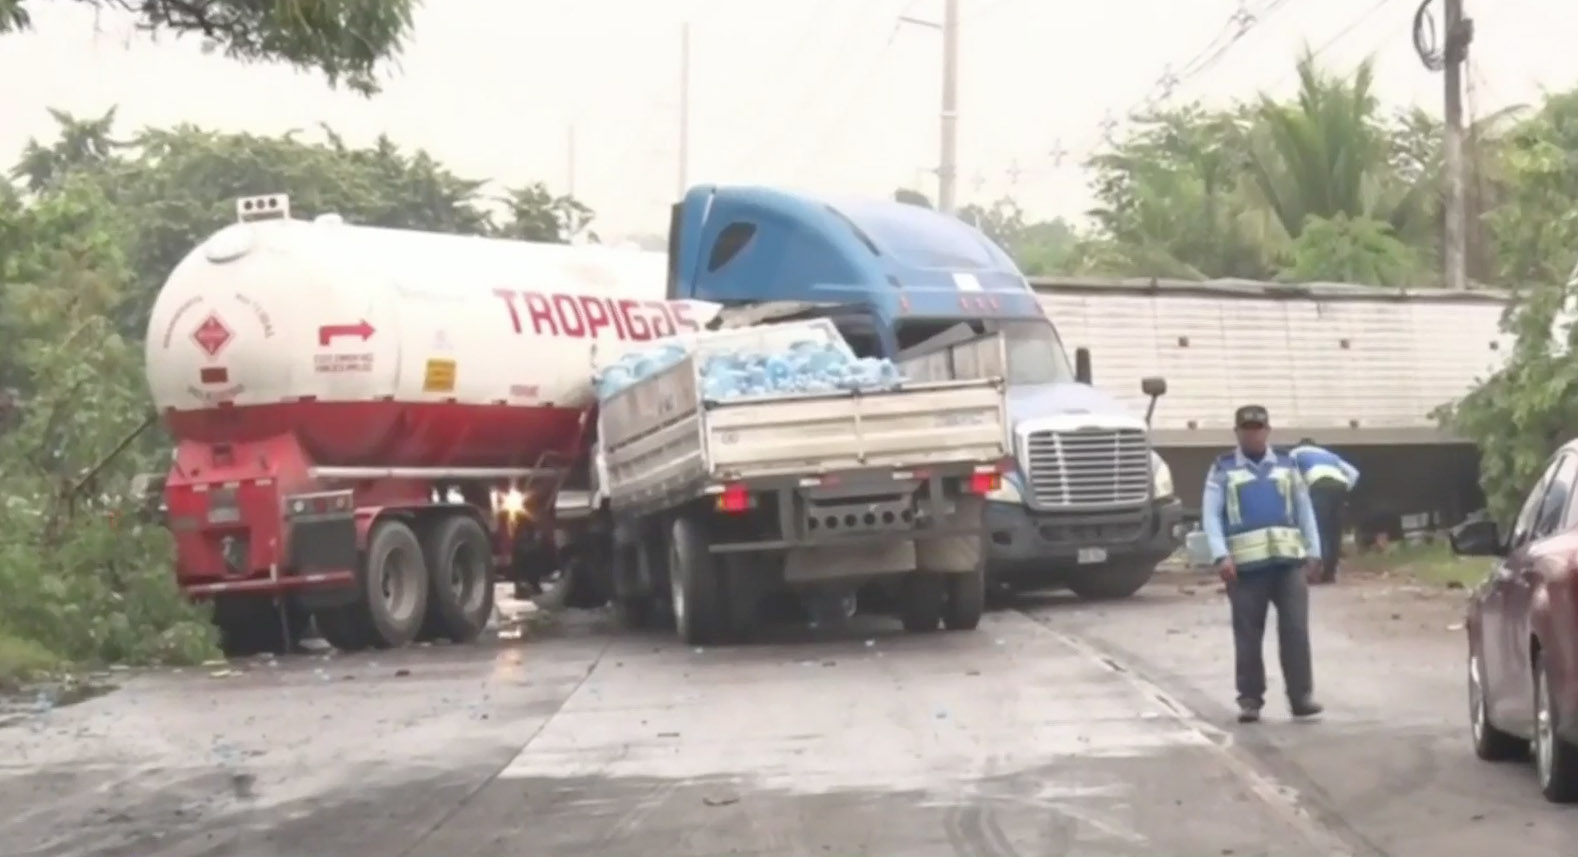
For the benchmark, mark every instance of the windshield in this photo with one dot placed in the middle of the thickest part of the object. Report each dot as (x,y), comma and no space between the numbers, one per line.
(1035,353)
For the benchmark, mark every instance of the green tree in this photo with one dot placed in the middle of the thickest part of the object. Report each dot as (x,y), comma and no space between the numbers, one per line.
(912,197)
(1523,413)
(1325,157)
(183,182)
(83,579)
(1046,247)
(345,40)
(1343,250)
(1171,200)
(537,214)
(81,144)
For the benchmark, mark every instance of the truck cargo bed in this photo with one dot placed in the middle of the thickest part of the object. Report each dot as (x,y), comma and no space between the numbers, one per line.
(662,443)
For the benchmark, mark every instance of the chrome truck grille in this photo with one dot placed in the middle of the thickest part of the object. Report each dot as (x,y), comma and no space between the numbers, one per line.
(1089,467)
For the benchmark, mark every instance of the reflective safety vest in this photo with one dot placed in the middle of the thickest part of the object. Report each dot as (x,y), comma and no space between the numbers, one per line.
(1318,463)
(1262,524)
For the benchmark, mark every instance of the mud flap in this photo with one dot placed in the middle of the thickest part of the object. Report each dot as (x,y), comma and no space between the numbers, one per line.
(956,554)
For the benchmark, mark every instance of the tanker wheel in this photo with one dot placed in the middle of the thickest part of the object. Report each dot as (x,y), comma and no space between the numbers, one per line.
(252,625)
(345,628)
(394,586)
(460,592)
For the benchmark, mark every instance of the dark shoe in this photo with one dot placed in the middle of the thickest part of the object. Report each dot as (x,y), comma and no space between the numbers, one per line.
(1249,711)
(1306,707)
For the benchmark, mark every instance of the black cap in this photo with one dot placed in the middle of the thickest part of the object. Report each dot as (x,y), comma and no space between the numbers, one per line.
(1249,415)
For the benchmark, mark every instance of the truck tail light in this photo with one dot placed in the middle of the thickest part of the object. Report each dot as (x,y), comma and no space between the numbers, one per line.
(734,499)
(985,483)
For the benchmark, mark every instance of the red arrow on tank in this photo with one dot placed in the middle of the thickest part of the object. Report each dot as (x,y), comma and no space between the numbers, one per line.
(328,332)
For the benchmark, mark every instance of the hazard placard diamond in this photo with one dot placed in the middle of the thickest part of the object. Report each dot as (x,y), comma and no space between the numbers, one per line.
(212,335)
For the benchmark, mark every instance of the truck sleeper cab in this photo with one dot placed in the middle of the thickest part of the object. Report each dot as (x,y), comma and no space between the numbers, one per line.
(1088,504)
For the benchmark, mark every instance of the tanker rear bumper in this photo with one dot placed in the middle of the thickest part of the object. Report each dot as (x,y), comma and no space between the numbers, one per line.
(320,560)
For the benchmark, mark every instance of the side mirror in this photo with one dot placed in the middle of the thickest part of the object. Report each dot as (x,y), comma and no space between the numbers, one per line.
(1082,365)
(1477,538)
(1153,386)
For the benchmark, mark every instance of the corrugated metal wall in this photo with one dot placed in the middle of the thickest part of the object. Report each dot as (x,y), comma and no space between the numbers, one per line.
(1350,365)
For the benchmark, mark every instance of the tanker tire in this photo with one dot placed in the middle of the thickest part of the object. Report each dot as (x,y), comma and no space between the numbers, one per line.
(251,626)
(394,586)
(635,612)
(921,600)
(695,587)
(345,628)
(587,579)
(460,579)
(966,600)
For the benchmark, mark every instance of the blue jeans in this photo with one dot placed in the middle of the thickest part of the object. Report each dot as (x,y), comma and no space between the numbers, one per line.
(1252,595)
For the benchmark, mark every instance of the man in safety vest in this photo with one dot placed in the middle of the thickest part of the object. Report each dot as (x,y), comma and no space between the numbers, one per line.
(1329,478)
(1257,516)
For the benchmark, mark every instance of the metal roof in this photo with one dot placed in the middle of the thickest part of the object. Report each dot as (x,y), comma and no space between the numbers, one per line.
(1258,289)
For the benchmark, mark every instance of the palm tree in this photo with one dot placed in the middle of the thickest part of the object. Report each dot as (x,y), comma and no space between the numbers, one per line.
(1325,154)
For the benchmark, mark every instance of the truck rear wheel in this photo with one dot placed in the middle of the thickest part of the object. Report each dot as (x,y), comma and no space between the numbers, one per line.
(921,600)
(694,585)
(966,600)
(391,603)
(460,593)
(1112,582)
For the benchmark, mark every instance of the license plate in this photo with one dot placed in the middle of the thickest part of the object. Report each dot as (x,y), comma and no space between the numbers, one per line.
(1090,555)
(223,507)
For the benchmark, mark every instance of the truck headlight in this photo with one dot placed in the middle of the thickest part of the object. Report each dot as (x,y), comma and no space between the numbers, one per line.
(1161,477)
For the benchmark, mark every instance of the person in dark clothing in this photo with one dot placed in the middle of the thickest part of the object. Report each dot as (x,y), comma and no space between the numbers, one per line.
(1257,517)
(1330,479)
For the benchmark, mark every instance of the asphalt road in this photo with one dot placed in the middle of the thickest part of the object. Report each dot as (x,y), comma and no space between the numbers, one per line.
(1057,728)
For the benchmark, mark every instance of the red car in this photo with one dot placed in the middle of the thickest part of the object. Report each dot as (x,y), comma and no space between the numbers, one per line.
(1523,631)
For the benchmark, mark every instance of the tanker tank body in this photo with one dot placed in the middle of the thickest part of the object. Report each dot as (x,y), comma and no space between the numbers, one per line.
(371,423)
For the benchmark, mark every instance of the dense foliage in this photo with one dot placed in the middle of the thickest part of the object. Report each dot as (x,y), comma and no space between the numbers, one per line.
(345,40)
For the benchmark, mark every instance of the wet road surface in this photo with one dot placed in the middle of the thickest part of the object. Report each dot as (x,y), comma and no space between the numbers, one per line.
(1056,728)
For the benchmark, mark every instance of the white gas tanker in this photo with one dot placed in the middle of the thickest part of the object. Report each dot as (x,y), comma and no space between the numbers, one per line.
(354,409)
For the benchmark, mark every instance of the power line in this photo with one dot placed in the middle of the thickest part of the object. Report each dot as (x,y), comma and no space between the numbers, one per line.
(1426,40)
(1232,32)
(1238,25)
(1343,33)
(824,82)
(857,93)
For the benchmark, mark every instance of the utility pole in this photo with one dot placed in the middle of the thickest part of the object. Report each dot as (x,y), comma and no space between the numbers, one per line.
(1458,34)
(684,109)
(948,151)
(948,162)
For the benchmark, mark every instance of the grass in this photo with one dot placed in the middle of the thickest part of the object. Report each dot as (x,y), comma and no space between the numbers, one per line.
(1430,563)
(21,660)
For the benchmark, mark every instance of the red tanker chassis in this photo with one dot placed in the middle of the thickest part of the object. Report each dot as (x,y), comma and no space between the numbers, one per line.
(373,424)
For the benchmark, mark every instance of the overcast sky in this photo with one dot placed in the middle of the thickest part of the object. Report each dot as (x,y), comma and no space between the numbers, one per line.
(821,94)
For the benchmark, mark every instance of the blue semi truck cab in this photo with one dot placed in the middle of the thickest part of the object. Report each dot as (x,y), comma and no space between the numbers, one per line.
(1088,505)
